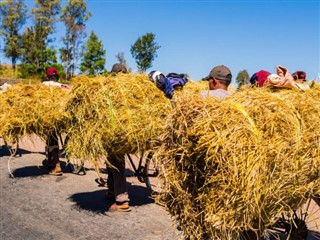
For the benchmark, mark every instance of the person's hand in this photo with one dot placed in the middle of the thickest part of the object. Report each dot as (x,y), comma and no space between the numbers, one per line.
(282,82)
(282,71)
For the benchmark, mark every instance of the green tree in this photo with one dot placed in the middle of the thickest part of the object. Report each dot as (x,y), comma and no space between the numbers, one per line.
(74,16)
(144,51)
(242,78)
(35,40)
(13,17)
(93,56)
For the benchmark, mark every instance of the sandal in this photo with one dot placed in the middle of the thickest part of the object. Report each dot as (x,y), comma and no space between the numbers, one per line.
(56,173)
(124,207)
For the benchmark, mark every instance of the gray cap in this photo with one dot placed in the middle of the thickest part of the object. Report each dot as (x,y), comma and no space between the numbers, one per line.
(118,67)
(220,72)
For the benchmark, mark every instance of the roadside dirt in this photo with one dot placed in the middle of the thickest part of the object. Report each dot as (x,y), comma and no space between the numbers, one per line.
(35,205)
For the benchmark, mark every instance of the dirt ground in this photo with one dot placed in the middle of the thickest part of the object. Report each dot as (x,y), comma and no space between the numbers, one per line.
(35,205)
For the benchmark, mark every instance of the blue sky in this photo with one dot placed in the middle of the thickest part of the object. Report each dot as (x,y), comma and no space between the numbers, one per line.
(197,35)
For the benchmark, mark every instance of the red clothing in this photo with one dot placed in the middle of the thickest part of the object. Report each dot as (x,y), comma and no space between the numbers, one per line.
(52,71)
(262,77)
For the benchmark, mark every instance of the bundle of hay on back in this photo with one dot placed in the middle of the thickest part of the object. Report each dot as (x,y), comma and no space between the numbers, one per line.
(191,88)
(195,88)
(31,109)
(306,109)
(236,164)
(116,114)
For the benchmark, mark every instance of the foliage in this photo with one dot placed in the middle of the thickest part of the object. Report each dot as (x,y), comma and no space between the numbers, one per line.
(93,56)
(35,40)
(46,58)
(13,14)
(144,51)
(9,72)
(242,78)
(74,16)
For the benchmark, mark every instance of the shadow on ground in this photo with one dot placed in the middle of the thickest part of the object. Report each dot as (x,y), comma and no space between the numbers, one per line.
(4,151)
(30,171)
(96,201)
(36,171)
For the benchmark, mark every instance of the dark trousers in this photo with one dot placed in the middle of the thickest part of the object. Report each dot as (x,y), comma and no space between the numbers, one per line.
(117,182)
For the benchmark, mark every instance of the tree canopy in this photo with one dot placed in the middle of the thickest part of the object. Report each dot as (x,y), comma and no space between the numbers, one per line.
(144,51)
(74,16)
(13,17)
(93,56)
(243,78)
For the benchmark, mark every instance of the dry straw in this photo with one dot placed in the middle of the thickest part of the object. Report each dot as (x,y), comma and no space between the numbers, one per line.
(31,109)
(116,114)
(237,164)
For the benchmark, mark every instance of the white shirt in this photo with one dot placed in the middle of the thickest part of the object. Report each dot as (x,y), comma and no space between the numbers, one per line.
(55,84)
(218,93)
(4,87)
(52,83)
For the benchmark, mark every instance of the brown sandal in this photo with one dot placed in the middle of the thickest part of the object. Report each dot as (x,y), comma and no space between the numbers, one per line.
(55,173)
(124,207)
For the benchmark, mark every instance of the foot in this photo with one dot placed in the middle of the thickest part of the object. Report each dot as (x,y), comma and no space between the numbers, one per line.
(56,172)
(120,207)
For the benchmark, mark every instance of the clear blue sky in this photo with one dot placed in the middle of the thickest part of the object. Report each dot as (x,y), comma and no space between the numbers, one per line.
(196,35)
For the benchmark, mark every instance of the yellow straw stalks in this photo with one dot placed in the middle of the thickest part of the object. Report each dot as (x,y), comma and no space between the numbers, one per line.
(117,114)
(31,109)
(236,164)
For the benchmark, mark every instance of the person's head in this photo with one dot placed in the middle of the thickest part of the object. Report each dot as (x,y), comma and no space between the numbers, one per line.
(299,76)
(118,67)
(158,78)
(259,79)
(52,74)
(219,78)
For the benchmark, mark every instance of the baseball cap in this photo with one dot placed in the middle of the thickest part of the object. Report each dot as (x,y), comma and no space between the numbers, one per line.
(220,72)
(118,67)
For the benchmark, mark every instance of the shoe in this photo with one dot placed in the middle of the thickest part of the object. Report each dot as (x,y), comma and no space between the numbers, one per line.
(123,207)
(56,172)
(109,194)
(48,164)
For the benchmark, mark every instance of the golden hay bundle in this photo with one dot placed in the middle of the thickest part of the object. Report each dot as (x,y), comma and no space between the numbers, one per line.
(28,109)
(236,164)
(191,88)
(116,114)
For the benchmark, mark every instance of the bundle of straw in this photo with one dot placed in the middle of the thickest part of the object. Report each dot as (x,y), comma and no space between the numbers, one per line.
(191,88)
(116,114)
(31,109)
(236,164)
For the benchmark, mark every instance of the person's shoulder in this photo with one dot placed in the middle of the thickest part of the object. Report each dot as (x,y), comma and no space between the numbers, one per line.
(217,93)
(51,83)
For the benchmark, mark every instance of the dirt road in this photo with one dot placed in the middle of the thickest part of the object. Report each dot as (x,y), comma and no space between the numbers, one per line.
(34,205)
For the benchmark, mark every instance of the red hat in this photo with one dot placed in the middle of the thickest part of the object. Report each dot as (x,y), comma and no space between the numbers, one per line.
(52,71)
(262,77)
